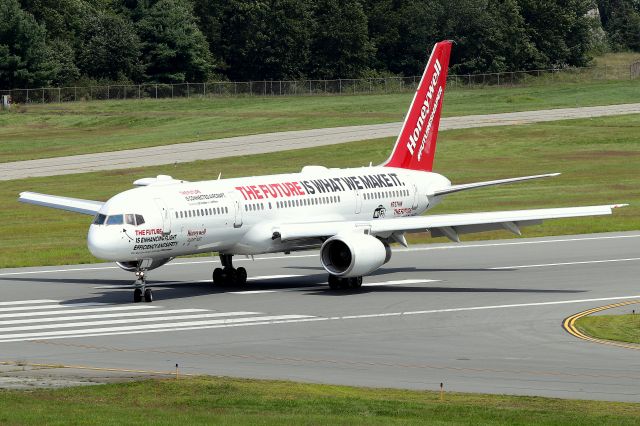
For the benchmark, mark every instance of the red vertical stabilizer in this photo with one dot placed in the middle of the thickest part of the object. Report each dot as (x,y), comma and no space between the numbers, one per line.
(416,144)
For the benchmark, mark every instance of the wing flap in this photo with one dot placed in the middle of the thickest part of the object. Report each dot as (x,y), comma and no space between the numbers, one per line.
(75,205)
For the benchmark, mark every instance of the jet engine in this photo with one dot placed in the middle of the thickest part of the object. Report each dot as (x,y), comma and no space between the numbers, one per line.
(353,255)
(143,265)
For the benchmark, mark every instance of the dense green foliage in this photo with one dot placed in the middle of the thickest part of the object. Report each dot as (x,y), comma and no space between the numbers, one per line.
(64,41)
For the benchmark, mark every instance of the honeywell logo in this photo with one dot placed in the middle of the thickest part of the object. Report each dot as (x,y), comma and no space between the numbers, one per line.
(428,108)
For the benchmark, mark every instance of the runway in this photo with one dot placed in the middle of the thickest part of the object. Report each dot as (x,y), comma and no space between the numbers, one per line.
(273,142)
(480,317)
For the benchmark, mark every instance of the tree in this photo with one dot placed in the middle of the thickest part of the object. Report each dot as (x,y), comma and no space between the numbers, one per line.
(621,21)
(340,46)
(174,50)
(109,48)
(560,30)
(25,58)
(267,39)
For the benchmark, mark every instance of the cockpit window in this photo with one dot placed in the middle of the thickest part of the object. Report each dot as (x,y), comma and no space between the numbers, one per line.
(115,219)
(100,218)
(139,219)
(129,219)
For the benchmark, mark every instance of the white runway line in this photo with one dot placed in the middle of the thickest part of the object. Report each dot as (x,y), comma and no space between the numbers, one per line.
(586,262)
(96,316)
(398,282)
(412,249)
(74,311)
(144,327)
(33,308)
(137,321)
(28,302)
(160,284)
(251,292)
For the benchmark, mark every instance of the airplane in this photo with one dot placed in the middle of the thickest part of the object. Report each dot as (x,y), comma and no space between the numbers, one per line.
(352,215)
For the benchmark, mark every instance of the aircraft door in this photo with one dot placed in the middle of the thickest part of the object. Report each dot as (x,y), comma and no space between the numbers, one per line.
(237,209)
(414,205)
(165,214)
(358,201)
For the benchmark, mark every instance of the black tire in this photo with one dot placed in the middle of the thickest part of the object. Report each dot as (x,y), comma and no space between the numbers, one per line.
(334,282)
(137,295)
(230,276)
(241,276)
(217,276)
(356,282)
(148,295)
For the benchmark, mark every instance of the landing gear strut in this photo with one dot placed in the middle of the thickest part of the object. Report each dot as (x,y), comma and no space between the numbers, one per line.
(337,283)
(141,291)
(228,275)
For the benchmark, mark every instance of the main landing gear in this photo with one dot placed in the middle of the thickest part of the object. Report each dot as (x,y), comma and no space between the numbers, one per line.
(228,275)
(141,291)
(337,283)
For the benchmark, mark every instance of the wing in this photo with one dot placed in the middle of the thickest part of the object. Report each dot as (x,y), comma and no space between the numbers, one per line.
(449,225)
(76,205)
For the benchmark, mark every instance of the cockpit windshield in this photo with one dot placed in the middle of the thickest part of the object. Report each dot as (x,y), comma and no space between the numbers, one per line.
(119,219)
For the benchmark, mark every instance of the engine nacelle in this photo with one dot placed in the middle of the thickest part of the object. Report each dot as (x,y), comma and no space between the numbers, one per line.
(353,255)
(143,265)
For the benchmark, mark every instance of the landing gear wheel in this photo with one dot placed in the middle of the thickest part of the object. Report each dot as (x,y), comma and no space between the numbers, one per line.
(241,276)
(334,282)
(355,282)
(137,295)
(230,276)
(218,276)
(148,296)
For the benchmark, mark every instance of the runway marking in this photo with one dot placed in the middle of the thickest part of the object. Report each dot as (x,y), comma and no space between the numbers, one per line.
(569,325)
(114,319)
(586,262)
(160,284)
(69,311)
(138,321)
(28,302)
(251,292)
(96,316)
(398,282)
(33,308)
(447,247)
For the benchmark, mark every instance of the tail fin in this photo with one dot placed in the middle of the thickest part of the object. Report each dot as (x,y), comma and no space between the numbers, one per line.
(416,144)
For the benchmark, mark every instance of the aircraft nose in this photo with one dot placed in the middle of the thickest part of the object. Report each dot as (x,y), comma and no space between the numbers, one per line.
(103,243)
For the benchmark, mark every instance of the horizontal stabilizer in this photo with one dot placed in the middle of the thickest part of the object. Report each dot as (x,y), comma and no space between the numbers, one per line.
(75,205)
(464,187)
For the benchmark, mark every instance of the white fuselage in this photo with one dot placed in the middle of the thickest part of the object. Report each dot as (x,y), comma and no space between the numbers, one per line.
(239,216)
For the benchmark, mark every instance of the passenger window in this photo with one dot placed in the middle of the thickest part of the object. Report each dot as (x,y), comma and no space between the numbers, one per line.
(115,219)
(99,219)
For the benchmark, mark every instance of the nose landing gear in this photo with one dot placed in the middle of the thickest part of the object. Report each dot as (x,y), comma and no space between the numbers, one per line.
(141,291)
(228,275)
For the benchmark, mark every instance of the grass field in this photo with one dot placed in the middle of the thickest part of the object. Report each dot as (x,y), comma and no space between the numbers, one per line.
(234,401)
(623,328)
(598,157)
(51,130)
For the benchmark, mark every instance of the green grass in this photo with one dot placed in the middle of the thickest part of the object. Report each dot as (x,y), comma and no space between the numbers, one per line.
(51,130)
(235,401)
(623,328)
(598,158)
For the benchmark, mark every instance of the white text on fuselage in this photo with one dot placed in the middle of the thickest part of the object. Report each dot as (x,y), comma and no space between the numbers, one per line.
(428,108)
(319,186)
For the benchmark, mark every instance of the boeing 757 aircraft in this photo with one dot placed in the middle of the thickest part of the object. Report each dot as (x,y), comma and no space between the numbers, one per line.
(353,215)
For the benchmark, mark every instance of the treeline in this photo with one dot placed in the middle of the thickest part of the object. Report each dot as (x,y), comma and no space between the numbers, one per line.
(58,42)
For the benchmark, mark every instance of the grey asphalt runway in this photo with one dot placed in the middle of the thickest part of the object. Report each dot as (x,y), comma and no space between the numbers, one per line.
(481,317)
(272,142)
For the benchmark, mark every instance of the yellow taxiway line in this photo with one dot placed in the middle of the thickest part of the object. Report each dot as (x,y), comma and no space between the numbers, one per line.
(569,325)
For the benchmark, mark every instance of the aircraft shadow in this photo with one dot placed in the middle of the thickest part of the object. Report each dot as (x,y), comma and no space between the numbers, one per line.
(120,293)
